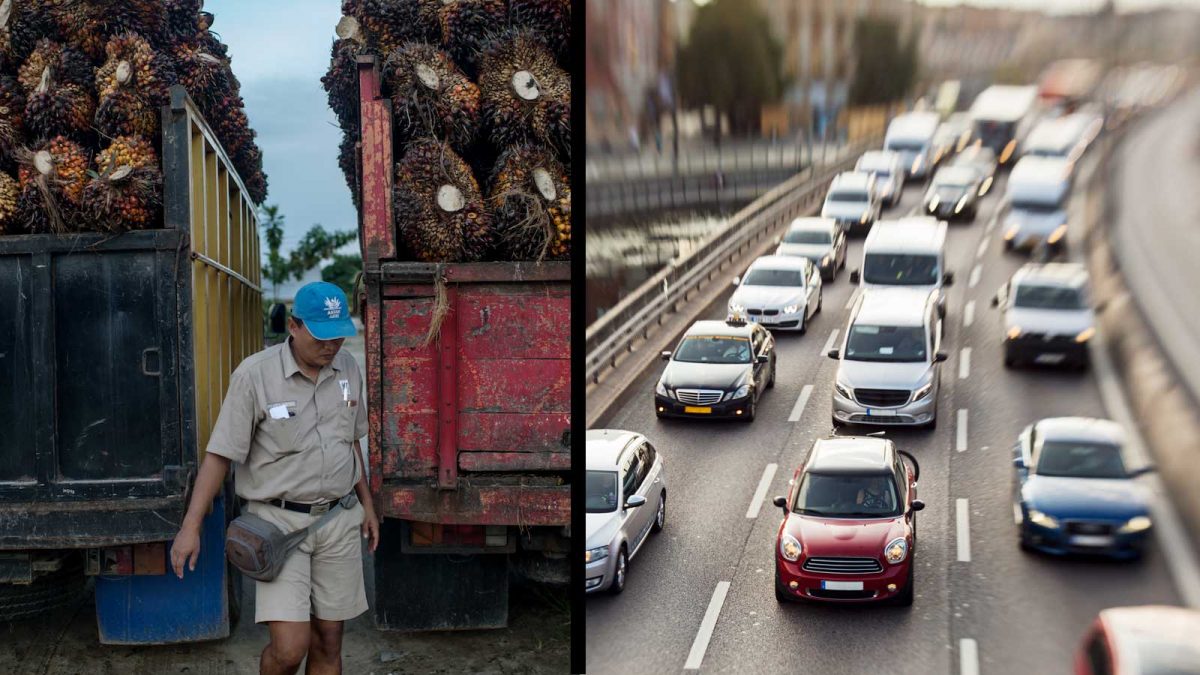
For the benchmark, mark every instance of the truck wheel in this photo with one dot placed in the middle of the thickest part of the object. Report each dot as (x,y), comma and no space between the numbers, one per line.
(619,572)
(47,592)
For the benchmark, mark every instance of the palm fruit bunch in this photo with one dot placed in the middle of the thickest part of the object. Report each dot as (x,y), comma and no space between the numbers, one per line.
(52,179)
(22,24)
(467,26)
(124,192)
(439,210)
(205,76)
(530,199)
(431,97)
(384,25)
(341,81)
(132,87)
(88,24)
(10,191)
(550,20)
(185,18)
(250,168)
(526,96)
(12,115)
(57,104)
(347,162)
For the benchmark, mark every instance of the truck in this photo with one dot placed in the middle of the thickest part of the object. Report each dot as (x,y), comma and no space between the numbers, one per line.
(1001,117)
(469,433)
(114,359)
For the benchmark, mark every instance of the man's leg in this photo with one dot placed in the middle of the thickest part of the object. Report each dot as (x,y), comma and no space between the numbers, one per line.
(325,647)
(287,648)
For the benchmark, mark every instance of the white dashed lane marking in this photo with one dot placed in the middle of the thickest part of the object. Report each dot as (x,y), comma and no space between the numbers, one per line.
(982,248)
(761,493)
(700,644)
(853,297)
(798,409)
(963,530)
(830,342)
(969,314)
(960,439)
(968,657)
(964,363)
(976,272)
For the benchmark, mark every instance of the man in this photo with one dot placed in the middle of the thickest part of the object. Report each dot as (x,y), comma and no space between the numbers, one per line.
(291,420)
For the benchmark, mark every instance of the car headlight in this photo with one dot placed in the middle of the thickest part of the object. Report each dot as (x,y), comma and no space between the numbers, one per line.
(933,203)
(661,390)
(791,309)
(825,261)
(896,551)
(1044,520)
(844,390)
(1057,234)
(1014,333)
(865,215)
(1135,524)
(922,392)
(594,554)
(1008,151)
(1012,232)
(959,206)
(1085,335)
(742,391)
(916,165)
(789,548)
(735,308)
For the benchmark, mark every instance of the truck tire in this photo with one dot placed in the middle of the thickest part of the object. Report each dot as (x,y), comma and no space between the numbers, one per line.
(47,592)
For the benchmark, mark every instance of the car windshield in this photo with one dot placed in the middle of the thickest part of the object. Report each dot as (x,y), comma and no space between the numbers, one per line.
(1073,459)
(841,496)
(713,349)
(1048,297)
(807,237)
(898,269)
(847,196)
(1038,205)
(886,343)
(769,277)
(906,146)
(601,491)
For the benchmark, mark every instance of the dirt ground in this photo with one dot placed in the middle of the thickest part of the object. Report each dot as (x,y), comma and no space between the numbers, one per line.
(536,641)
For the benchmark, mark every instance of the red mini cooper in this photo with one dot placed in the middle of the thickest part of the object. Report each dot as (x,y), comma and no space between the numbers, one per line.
(849,531)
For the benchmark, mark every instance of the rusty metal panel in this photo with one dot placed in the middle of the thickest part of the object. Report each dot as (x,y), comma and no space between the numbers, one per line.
(515,322)
(448,394)
(511,386)
(523,505)
(379,237)
(507,432)
(514,461)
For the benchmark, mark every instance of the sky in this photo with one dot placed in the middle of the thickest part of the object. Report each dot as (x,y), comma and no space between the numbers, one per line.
(1063,6)
(279,51)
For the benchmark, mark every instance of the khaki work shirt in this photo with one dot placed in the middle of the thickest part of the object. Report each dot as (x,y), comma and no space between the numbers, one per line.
(307,456)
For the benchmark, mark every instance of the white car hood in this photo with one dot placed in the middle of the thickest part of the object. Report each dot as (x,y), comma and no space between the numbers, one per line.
(1053,321)
(767,297)
(844,210)
(813,251)
(600,528)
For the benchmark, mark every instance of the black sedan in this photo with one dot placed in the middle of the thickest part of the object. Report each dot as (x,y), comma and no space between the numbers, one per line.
(719,369)
(953,194)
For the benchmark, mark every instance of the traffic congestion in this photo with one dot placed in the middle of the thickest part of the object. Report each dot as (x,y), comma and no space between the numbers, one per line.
(951,359)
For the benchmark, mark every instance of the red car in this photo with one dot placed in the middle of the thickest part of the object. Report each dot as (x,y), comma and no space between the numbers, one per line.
(849,531)
(1149,640)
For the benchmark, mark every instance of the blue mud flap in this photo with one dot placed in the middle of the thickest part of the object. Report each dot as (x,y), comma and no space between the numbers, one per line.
(137,610)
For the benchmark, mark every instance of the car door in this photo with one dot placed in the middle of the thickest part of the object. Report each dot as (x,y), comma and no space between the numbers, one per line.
(839,247)
(652,487)
(642,517)
(812,283)
(630,517)
(759,370)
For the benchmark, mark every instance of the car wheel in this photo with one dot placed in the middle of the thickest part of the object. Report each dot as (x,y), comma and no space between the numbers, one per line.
(820,301)
(1009,362)
(771,382)
(803,323)
(931,424)
(619,572)
(750,412)
(1008,245)
(781,594)
(660,518)
(905,597)
(837,424)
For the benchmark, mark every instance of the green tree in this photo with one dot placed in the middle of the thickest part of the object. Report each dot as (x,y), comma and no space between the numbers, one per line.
(732,63)
(276,269)
(885,71)
(342,271)
(316,246)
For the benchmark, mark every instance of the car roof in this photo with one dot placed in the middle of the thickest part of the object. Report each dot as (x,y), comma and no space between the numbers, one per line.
(880,156)
(851,455)
(1057,133)
(720,329)
(1032,169)
(919,123)
(1088,429)
(974,153)
(919,234)
(1154,638)
(1070,275)
(851,179)
(1003,102)
(812,224)
(603,447)
(882,306)
(954,173)
(780,262)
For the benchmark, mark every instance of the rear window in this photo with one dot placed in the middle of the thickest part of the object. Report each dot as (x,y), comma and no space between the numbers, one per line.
(847,196)
(1048,297)
(807,237)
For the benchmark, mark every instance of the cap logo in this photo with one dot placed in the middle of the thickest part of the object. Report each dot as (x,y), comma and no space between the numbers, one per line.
(333,307)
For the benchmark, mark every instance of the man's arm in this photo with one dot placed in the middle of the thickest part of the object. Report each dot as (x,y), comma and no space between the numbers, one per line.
(370,525)
(208,484)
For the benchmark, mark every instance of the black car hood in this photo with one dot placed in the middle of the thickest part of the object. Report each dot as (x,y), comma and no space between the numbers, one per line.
(948,194)
(723,376)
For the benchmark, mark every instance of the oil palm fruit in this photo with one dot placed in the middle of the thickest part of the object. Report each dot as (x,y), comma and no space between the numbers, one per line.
(22,24)
(250,168)
(68,66)
(205,75)
(431,96)
(550,20)
(88,24)
(12,115)
(467,26)
(132,87)
(387,24)
(52,179)
(56,108)
(125,190)
(348,162)
(439,211)
(530,200)
(341,81)
(526,96)
(185,18)
(10,191)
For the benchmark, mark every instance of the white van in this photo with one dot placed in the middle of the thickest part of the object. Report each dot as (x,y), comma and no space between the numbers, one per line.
(911,135)
(1038,190)
(909,252)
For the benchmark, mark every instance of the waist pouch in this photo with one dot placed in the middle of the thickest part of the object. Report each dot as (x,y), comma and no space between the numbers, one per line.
(259,548)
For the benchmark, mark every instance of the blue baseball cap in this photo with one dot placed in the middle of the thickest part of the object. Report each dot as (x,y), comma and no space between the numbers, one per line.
(324,309)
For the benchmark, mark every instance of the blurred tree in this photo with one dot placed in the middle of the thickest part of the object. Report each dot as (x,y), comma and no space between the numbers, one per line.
(276,269)
(885,70)
(732,63)
(342,271)
(316,246)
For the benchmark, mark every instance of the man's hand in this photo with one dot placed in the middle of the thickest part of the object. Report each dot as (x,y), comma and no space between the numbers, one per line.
(185,549)
(370,526)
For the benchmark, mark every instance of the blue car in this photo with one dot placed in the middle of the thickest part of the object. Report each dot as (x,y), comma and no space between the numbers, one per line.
(1076,492)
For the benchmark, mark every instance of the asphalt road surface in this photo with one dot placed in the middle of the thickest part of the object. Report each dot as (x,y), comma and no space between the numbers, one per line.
(981,604)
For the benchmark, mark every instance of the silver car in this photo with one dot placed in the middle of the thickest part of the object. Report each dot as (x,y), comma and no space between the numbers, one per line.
(890,363)
(889,173)
(818,239)
(781,292)
(852,201)
(1047,318)
(626,501)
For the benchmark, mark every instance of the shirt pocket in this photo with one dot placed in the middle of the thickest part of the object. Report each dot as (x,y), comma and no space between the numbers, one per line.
(345,423)
(280,438)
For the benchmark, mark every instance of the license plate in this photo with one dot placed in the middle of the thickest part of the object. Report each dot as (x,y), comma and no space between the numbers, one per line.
(697,409)
(1050,358)
(1091,540)
(842,585)
(753,319)
(881,413)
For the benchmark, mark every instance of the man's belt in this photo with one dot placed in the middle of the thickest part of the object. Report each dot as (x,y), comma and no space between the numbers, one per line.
(299,507)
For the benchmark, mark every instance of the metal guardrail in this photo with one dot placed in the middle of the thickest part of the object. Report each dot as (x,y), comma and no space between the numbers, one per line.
(617,330)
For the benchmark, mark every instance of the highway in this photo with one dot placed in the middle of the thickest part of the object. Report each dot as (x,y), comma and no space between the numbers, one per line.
(981,604)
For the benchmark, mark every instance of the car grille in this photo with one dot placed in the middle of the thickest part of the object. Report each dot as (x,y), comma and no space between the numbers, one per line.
(881,398)
(762,312)
(843,565)
(699,396)
(1088,528)
(841,595)
(880,419)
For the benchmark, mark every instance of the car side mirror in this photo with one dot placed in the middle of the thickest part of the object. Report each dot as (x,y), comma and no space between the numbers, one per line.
(995,301)
(278,318)
(854,276)
(948,279)
(834,354)
(1143,470)
(666,356)
(917,505)
(635,501)
(1101,305)
(939,357)
(1019,462)
(781,502)
(737,281)
(762,358)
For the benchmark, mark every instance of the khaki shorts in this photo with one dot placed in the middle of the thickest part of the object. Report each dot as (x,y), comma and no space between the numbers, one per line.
(322,577)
